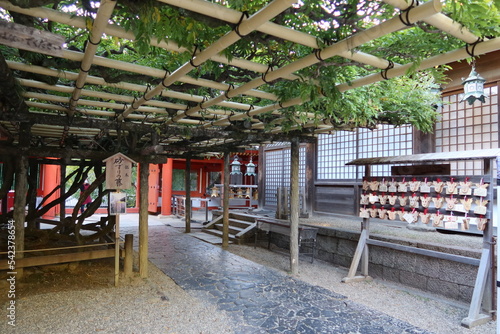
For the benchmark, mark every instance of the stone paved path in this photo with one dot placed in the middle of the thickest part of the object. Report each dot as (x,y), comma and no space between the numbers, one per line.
(260,299)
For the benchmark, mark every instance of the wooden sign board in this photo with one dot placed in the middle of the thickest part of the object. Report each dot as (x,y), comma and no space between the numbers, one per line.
(31,39)
(118,171)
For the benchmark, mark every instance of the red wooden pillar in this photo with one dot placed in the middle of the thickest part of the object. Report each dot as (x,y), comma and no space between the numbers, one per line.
(166,187)
(51,180)
(153,181)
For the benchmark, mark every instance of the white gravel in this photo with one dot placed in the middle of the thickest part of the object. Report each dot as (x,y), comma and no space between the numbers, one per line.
(154,305)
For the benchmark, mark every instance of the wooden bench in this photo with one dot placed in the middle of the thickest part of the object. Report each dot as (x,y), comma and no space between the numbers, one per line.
(307,234)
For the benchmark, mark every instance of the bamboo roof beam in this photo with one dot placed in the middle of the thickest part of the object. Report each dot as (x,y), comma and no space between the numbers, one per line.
(428,9)
(459,54)
(121,85)
(442,22)
(245,27)
(233,16)
(104,12)
(68,19)
(117,31)
(446,58)
(157,73)
(97,94)
(98,104)
(48,106)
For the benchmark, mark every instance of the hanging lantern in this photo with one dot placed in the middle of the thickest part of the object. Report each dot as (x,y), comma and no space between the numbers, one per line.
(215,192)
(473,87)
(235,166)
(251,168)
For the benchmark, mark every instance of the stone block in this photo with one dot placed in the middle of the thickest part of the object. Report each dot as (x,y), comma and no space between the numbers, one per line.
(327,244)
(405,261)
(346,247)
(343,261)
(390,274)
(413,280)
(465,293)
(383,256)
(459,273)
(325,256)
(428,266)
(447,289)
(376,270)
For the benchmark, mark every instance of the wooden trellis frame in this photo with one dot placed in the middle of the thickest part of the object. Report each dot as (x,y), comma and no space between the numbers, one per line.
(482,304)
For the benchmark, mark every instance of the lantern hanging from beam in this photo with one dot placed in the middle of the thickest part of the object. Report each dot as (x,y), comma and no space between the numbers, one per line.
(473,87)
(251,168)
(235,166)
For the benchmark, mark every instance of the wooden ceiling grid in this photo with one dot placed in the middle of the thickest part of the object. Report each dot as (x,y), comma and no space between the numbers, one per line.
(194,123)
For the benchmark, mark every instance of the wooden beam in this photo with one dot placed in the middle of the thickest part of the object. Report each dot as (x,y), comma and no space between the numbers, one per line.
(143,219)
(60,258)
(187,186)
(294,207)
(19,215)
(225,203)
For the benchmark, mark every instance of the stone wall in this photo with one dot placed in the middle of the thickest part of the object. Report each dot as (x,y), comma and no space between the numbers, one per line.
(433,275)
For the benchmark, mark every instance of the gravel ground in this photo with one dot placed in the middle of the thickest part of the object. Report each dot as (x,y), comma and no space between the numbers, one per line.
(439,315)
(50,303)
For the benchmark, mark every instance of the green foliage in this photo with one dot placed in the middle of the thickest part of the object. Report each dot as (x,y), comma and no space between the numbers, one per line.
(481,17)
(397,101)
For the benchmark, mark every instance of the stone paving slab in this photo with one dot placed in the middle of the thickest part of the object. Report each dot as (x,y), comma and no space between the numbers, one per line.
(257,298)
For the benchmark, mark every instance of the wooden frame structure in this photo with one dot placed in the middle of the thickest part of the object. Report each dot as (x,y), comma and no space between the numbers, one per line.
(482,304)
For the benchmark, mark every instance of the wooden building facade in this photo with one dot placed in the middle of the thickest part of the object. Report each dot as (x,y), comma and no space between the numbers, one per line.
(331,187)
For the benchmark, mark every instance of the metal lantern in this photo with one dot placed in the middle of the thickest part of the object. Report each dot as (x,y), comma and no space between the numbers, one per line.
(250,168)
(235,166)
(473,87)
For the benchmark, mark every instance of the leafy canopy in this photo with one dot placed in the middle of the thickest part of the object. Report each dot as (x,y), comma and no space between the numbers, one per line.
(397,101)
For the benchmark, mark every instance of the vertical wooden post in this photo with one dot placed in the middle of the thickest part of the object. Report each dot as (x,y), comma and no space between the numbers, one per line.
(62,191)
(309,191)
(294,206)
(261,177)
(225,203)
(166,187)
(279,207)
(117,249)
(187,186)
(129,255)
(19,213)
(32,189)
(143,219)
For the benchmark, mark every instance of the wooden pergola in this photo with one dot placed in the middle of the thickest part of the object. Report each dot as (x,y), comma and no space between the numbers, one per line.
(76,117)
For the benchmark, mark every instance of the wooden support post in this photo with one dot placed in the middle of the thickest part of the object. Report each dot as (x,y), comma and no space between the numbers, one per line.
(129,255)
(187,205)
(225,203)
(19,213)
(32,190)
(361,253)
(278,203)
(261,177)
(482,297)
(294,207)
(143,219)
(117,249)
(62,191)
(166,187)
(362,246)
